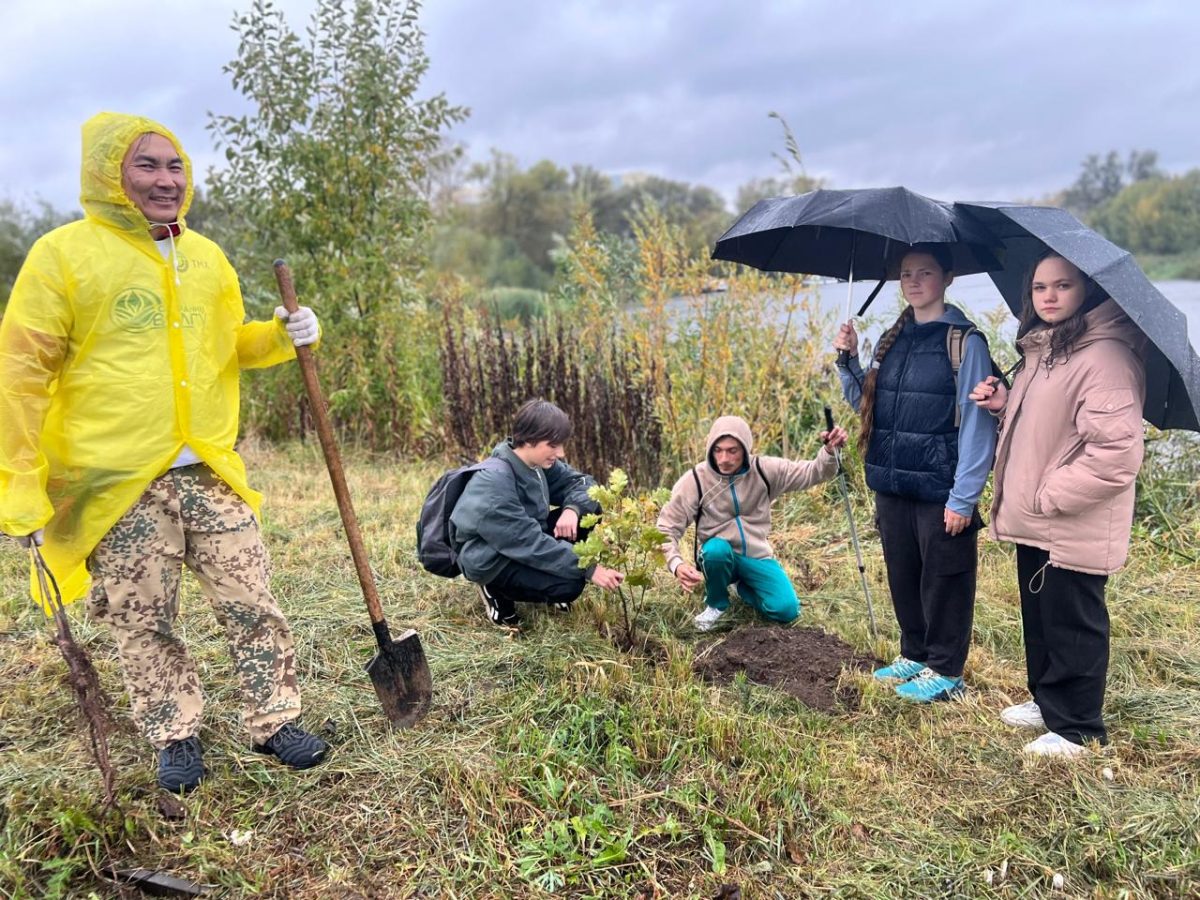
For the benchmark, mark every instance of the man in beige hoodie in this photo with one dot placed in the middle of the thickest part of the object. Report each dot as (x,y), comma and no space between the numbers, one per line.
(728,496)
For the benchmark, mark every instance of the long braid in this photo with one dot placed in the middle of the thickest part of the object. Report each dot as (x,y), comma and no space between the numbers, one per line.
(867,407)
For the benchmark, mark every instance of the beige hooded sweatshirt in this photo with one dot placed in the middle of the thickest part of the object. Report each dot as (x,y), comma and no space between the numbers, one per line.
(1071,445)
(736,507)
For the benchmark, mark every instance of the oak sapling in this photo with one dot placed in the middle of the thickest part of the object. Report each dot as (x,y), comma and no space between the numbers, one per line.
(625,538)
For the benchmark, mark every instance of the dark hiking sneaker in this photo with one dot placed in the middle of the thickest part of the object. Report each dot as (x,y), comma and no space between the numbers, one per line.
(294,747)
(563,607)
(499,611)
(181,765)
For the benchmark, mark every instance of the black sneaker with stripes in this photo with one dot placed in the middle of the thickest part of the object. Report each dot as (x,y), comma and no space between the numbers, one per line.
(499,611)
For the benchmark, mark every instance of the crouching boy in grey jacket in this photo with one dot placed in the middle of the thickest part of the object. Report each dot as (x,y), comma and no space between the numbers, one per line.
(509,541)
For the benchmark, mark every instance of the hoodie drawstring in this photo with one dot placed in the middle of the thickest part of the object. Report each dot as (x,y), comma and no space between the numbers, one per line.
(1040,577)
(172,229)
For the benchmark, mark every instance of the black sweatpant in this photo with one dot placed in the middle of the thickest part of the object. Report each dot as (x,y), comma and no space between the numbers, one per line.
(931,575)
(519,583)
(1065,623)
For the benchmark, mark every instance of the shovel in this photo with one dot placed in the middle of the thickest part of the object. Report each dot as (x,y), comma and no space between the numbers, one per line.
(399,671)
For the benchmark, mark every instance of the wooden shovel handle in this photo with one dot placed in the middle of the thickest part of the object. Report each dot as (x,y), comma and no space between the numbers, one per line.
(333,459)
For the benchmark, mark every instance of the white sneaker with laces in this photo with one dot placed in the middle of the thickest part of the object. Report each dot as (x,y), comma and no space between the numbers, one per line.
(1023,715)
(705,620)
(1051,744)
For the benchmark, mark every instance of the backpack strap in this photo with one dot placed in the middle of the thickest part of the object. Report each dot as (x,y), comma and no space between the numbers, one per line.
(763,475)
(495,464)
(956,342)
(491,464)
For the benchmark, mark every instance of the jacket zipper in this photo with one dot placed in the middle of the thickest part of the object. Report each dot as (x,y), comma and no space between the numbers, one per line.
(737,515)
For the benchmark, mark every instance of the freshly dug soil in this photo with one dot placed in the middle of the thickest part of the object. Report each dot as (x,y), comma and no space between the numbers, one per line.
(803,662)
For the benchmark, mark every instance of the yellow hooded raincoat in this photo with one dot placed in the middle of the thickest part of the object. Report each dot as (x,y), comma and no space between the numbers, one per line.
(112,358)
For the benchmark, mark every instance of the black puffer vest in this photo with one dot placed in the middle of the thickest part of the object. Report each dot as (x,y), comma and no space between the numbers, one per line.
(913,451)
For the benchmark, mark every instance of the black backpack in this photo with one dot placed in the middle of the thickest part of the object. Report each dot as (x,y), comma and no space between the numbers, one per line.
(435,544)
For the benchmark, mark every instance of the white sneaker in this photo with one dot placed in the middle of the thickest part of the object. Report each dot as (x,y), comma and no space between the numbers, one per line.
(708,618)
(1051,744)
(1023,715)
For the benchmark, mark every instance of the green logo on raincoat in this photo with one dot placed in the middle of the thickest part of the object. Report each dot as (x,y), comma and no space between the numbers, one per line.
(138,310)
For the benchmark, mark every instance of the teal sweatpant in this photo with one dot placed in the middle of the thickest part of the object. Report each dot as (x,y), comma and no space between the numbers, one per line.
(760,582)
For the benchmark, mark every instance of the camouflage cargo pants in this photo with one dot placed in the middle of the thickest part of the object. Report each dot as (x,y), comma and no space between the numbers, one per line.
(190,516)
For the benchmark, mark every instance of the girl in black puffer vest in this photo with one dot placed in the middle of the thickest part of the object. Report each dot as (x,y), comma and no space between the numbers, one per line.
(928,451)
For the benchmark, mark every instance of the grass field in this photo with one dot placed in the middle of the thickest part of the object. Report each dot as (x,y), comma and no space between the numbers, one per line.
(554,765)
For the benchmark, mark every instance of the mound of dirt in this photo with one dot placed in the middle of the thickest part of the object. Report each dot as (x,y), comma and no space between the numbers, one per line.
(803,662)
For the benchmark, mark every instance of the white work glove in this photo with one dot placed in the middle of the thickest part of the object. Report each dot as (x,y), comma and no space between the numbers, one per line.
(25,540)
(301,325)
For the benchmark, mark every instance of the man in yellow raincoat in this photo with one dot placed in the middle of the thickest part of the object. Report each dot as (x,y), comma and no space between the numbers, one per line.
(120,353)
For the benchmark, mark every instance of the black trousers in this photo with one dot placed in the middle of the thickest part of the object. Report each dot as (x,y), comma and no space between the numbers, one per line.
(519,583)
(1065,623)
(931,575)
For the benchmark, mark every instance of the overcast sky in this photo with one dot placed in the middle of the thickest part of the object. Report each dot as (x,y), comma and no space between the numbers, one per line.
(954,98)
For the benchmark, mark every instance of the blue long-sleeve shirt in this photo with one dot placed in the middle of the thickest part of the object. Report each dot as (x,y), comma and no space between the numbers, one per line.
(977,427)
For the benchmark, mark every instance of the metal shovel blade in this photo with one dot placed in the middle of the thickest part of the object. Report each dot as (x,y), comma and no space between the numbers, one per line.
(400,674)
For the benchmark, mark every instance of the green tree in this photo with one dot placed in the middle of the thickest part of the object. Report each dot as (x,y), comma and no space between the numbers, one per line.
(1103,178)
(530,207)
(20,226)
(698,210)
(1160,215)
(331,166)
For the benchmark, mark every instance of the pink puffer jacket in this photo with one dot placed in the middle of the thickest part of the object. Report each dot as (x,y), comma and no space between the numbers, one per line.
(1071,444)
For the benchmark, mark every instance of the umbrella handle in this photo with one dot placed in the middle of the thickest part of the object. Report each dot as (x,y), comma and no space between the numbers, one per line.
(850,288)
(843,357)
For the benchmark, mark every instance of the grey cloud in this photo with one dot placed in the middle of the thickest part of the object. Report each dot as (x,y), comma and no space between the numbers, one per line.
(980,99)
(987,99)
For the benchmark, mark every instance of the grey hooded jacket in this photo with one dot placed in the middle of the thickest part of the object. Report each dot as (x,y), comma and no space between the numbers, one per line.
(502,517)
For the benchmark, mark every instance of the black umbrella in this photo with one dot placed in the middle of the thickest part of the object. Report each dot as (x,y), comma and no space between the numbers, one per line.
(852,234)
(1172,367)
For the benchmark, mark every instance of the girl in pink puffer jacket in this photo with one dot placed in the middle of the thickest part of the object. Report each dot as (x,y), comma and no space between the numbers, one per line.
(1069,452)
